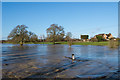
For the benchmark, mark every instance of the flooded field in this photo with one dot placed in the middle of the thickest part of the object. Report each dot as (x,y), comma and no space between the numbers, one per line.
(53,61)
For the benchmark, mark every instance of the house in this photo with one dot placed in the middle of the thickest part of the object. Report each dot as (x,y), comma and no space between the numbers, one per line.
(84,38)
(109,36)
(105,36)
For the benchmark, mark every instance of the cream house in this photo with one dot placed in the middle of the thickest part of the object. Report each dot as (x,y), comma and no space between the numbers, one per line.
(105,36)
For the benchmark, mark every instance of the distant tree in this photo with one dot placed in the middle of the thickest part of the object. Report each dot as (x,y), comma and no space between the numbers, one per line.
(94,39)
(113,44)
(19,34)
(34,38)
(43,38)
(30,33)
(40,38)
(100,38)
(69,38)
(55,33)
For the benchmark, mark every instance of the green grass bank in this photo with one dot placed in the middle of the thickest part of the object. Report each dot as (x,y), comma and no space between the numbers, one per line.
(74,43)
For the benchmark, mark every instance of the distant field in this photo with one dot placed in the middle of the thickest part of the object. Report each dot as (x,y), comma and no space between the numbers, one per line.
(91,43)
(74,43)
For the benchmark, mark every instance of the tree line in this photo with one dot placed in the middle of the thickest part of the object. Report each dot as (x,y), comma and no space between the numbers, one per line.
(20,35)
(55,33)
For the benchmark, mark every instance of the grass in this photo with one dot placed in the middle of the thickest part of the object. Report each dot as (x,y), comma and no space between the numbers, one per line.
(77,43)
(74,43)
(39,43)
(87,43)
(91,43)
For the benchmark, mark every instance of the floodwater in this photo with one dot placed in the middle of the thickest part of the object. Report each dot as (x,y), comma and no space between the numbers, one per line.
(51,61)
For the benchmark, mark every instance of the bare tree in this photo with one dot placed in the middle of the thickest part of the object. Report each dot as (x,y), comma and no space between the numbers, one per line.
(34,38)
(55,33)
(40,38)
(43,38)
(69,38)
(19,34)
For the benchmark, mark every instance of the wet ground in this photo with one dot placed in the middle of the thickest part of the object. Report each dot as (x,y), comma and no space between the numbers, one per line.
(53,61)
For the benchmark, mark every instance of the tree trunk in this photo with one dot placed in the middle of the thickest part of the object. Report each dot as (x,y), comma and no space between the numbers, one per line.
(21,43)
(53,42)
(54,37)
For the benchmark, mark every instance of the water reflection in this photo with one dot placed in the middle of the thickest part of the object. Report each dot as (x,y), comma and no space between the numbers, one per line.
(15,52)
(55,51)
(40,55)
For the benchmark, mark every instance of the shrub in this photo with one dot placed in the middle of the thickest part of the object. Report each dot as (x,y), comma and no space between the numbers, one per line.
(94,39)
(99,38)
(113,44)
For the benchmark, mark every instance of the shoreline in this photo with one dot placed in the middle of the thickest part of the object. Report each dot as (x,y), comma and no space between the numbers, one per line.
(66,43)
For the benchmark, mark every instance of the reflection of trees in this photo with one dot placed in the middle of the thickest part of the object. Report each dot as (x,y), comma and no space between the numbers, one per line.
(70,51)
(92,51)
(20,53)
(97,51)
(84,50)
(55,49)
(55,52)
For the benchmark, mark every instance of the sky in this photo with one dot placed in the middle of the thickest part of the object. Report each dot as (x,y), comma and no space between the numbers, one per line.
(79,18)
(60,0)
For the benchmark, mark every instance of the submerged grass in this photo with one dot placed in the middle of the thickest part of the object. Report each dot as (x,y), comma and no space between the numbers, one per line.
(113,44)
(39,43)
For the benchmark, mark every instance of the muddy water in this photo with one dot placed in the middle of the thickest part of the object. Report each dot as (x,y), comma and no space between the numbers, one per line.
(48,61)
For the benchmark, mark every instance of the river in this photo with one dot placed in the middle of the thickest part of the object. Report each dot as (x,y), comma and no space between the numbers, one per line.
(48,61)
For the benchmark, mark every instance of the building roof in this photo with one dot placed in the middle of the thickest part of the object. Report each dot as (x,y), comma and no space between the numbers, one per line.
(104,34)
(108,34)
